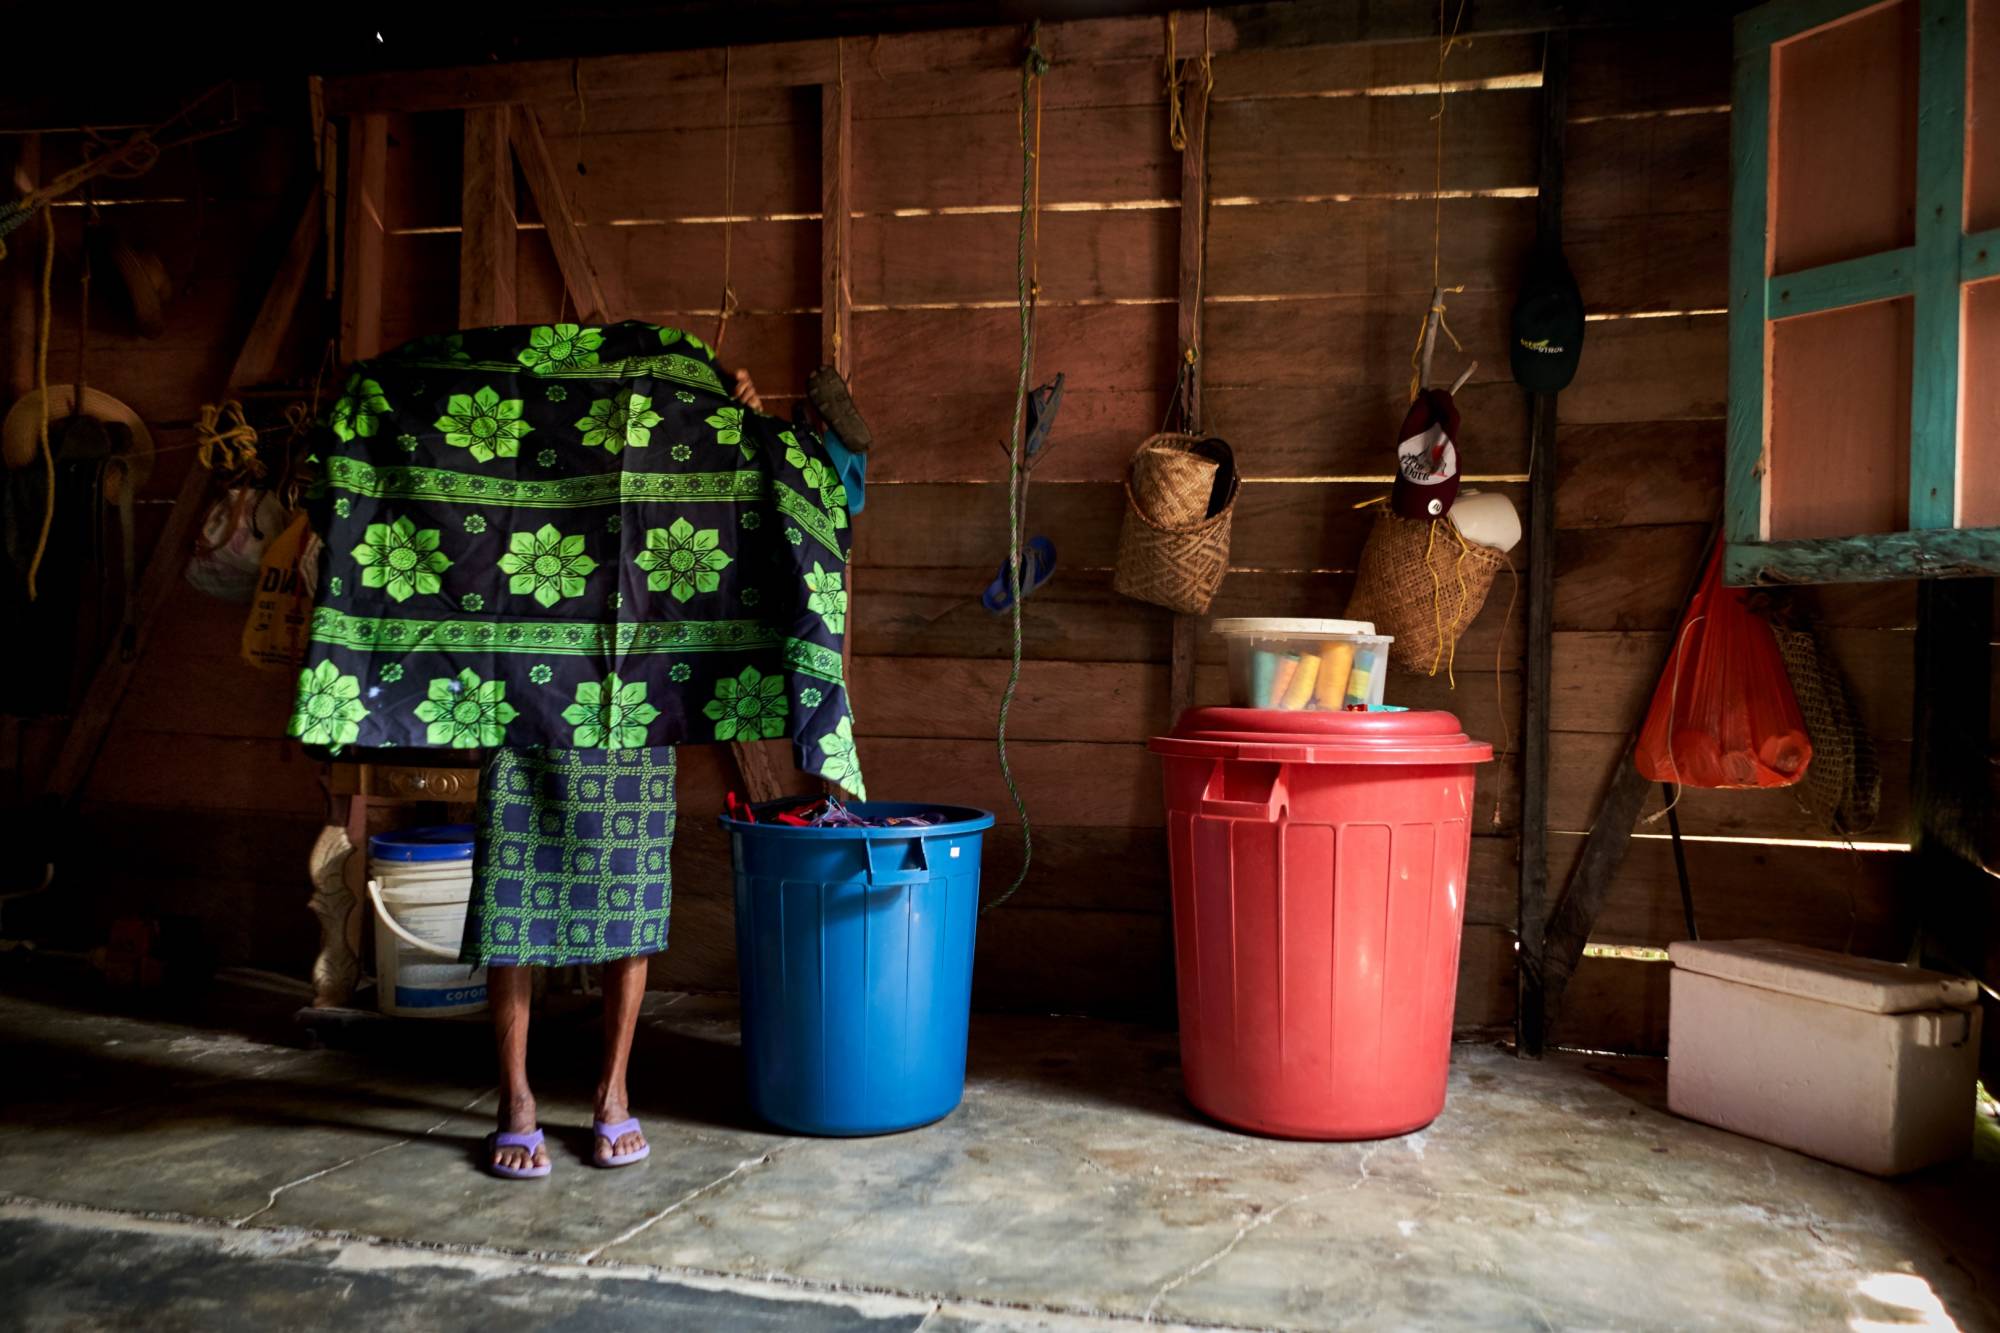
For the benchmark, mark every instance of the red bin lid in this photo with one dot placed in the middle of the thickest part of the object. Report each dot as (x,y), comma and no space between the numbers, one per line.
(1272,735)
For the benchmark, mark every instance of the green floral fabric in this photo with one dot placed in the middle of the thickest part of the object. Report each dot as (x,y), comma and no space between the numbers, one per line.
(571,537)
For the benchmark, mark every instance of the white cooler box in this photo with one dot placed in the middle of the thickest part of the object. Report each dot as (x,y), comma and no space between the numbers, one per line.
(1857,1061)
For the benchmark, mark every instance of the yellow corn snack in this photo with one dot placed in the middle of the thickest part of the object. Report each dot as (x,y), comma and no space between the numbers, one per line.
(1330,691)
(1281,680)
(1300,692)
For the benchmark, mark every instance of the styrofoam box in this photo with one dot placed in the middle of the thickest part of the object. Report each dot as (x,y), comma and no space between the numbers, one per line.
(1857,1061)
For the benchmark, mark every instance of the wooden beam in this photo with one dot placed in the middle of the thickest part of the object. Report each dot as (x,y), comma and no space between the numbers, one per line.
(1194,246)
(598,299)
(836,230)
(697,74)
(22,275)
(362,233)
(1575,914)
(1848,282)
(1874,558)
(1531,910)
(1979,255)
(488,229)
(1940,221)
(1950,790)
(120,663)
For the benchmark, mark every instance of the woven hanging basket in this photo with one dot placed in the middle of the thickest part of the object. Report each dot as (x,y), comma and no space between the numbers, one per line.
(1180,493)
(1420,581)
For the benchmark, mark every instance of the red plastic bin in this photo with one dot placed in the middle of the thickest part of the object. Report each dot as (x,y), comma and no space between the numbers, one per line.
(1319,864)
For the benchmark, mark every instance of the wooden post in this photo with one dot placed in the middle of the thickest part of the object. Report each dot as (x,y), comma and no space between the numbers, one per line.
(22,273)
(163,571)
(488,230)
(362,235)
(1194,243)
(1532,909)
(597,297)
(1948,768)
(836,246)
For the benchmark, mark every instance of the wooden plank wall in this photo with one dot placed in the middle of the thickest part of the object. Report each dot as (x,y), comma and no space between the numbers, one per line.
(197,806)
(1318,266)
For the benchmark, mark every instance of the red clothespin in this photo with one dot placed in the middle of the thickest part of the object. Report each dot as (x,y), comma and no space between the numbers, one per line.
(739,808)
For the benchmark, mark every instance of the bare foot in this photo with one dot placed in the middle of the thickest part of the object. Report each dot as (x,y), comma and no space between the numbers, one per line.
(612,1108)
(517,1116)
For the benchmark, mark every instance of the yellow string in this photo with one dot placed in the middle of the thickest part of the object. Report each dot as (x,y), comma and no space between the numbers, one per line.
(1447,39)
(225,441)
(42,384)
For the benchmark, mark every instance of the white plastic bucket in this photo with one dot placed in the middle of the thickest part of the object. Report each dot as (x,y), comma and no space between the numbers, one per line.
(419,921)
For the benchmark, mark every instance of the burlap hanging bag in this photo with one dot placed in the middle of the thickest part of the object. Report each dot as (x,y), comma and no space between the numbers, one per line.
(1180,494)
(1422,582)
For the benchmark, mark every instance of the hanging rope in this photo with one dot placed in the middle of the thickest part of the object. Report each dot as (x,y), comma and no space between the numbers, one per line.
(728,201)
(1434,318)
(42,394)
(1182,400)
(225,442)
(1027,290)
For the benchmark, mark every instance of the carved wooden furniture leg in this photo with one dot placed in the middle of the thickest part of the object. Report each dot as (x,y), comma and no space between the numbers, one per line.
(337,969)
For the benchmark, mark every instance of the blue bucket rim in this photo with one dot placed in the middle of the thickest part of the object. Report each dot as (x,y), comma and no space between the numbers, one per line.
(433,842)
(959,819)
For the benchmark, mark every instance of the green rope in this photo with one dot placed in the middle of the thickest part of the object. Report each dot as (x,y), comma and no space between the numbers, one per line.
(1033,67)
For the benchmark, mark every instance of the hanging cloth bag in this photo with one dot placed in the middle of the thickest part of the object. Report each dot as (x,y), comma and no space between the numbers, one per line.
(1723,714)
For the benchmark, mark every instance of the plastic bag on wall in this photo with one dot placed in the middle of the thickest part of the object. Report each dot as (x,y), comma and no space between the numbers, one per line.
(228,556)
(1723,714)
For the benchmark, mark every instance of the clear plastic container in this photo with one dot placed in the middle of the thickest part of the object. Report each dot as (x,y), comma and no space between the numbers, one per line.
(1302,665)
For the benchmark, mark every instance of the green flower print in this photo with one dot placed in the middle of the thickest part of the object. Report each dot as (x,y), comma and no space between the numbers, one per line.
(751,519)
(810,697)
(391,672)
(546,564)
(465,712)
(556,393)
(750,596)
(399,559)
(328,710)
(484,422)
(682,453)
(623,421)
(333,586)
(611,716)
(408,443)
(614,601)
(826,597)
(842,764)
(475,523)
(794,536)
(832,495)
(795,454)
(679,673)
(343,507)
(359,410)
(668,337)
(614,522)
(684,395)
(441,347)
(547,458)
(728,423)
(682,561)
(749,707)
(560,347)
(473,602)
(541,673)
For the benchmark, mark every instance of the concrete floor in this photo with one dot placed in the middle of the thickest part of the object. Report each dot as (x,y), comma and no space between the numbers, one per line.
(197,1172)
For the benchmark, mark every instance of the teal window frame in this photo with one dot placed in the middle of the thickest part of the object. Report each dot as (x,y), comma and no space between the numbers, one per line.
(1932,271)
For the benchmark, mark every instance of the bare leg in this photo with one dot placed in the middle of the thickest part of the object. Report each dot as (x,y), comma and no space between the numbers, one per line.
(508,992)
(624,991)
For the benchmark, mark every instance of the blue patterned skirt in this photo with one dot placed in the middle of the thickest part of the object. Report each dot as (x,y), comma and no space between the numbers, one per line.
(572,862)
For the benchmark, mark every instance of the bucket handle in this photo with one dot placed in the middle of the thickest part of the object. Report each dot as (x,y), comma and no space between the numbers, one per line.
(1268,810)
(375,896)
(914,875)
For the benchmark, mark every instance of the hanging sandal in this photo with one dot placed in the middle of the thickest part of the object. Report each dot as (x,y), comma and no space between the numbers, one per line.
(531,1141)
(611,1134)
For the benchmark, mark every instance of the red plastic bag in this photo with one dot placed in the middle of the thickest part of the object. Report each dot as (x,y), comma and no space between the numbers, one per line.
(1723,714)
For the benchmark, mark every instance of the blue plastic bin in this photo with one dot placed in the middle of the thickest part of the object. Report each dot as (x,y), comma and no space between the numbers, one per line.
(855,948)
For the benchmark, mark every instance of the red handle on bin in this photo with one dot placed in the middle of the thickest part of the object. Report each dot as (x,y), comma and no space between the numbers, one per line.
(1266,810)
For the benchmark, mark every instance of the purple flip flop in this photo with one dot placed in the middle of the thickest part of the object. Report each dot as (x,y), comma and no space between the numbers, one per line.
(531,1141)
(611,1134)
